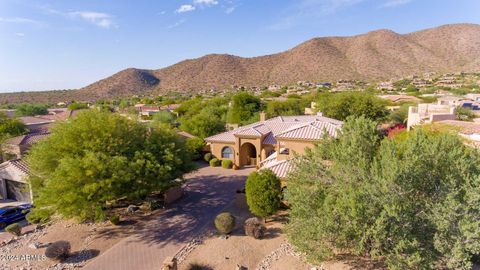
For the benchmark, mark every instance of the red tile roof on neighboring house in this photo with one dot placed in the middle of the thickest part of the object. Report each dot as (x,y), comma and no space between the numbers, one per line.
(17,164)
(28,139)
(280,168)
(309,127)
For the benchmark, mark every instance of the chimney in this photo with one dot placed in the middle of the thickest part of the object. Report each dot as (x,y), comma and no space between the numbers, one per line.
(263,116)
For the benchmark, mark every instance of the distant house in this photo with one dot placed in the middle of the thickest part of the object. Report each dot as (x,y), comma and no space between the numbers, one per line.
(36,124)
(147,110)
(429,113)
(13,183)
(385,86)
(272,143)
(400,98)
(17,147)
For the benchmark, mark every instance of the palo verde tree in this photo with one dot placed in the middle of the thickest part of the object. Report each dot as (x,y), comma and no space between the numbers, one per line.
(345,104)
(98,157)
(263,192)
(244,108)
(412,202)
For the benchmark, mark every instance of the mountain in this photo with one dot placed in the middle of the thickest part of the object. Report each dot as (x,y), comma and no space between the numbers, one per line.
(376,55)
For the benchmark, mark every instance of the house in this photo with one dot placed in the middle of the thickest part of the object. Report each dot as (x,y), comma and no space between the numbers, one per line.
(400,98)
(450,100)
(13,183)
(147,110)
(17,147)
(385,86)
(36,123)
(426,113)
(272,143)
(311,109)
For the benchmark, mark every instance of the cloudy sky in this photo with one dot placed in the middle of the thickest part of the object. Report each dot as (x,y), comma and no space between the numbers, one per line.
(59,44)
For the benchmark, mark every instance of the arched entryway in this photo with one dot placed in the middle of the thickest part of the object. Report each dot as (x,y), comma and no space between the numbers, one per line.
(248,154)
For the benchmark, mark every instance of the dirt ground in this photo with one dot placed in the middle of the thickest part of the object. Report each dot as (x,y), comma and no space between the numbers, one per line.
(87,241)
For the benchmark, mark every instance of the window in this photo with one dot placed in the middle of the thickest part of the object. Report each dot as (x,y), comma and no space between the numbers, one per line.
(227,152)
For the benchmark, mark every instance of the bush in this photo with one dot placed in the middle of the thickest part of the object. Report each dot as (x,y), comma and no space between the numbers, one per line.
(198,266)
(214,162)
(208,157)
(15,229)
(195,146)
(154,204)
(254,228)
(264,193)
(225,223)
(227,164)
(115,220)
(39,216)
(58,250)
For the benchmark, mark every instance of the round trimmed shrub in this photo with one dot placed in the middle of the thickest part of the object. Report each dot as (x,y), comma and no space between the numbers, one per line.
(214,162)
(58,251)
(225,223)
(254,228)
(14,228)
(227,164)
(115,220)
(208,157)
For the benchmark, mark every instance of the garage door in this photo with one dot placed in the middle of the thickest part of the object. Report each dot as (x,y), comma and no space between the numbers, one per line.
(17,191)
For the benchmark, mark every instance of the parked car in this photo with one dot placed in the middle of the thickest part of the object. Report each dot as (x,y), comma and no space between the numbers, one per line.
(11,214)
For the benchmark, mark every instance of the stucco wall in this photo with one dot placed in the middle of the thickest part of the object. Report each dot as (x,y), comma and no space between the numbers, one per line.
(9,173)
(216,149)
(295,147)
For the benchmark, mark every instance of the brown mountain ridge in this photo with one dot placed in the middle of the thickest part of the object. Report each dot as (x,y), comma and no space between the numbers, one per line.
(376,55)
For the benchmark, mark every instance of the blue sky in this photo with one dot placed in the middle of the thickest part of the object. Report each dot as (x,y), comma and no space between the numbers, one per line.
(60,44)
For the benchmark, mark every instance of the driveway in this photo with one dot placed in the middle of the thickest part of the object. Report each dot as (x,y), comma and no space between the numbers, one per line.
(209,190)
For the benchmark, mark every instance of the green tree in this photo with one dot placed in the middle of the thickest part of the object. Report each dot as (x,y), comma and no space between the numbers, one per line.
(393,199)
(345,104)
(30,110)
(464,114)
(244,108)
(99,157)
(77,106)
(164,117)
(263,192)
(10,127)
(287,107)
(203,125)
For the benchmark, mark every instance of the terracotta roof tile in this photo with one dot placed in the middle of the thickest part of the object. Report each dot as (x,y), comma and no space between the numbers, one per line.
(17,164)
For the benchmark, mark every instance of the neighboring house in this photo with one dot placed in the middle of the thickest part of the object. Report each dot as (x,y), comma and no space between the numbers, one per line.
(274,142)
(468,130)
(385,86)
(148,110)
(429,113)
(13,184)
(400,98)
(311,109)
(17,147)
(36,123)
(450,100)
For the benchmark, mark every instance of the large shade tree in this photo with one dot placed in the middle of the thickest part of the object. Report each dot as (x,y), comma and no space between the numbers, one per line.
(98,157)
(344,104)
(413,202)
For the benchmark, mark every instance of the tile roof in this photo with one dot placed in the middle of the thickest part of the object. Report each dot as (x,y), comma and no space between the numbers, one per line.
(280,168)
(272,128)
(28,139)
(17,164)
(32,120)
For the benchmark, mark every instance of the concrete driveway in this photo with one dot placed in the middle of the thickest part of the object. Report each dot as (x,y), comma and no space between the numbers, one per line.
(209,190)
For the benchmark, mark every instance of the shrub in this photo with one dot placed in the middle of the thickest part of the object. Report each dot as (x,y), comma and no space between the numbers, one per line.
(58,250)
(254,228)
(195,146)
(208,157)
(225,223)
(214,162)
(198,266)
(14,229)
(227,164)
(40,215)
(154,204)
(264,193)
(115,219)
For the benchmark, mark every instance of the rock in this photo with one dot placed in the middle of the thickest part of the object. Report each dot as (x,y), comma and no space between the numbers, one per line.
(132,209)
(35,245)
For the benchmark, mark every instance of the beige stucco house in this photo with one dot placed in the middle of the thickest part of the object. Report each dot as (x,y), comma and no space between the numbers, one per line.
(272,143)
(13,181)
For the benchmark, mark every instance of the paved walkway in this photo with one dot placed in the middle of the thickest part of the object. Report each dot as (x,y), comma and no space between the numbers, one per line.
(209,190)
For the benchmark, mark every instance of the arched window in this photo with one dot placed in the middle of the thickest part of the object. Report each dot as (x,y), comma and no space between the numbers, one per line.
(227,152)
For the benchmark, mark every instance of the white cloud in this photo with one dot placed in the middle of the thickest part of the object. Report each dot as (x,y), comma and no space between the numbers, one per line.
(178,23)
(394,3)
(99,19)
(162,12)
(230,10)
(185,8)
(20,20)
(205,2)
(20,34)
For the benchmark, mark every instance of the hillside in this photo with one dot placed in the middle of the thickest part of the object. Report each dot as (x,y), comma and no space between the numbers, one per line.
(376,55)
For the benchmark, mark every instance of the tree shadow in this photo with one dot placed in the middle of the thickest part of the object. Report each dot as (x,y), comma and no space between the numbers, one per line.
(205,196)
(199,266)
(272,233)
(82,256)
(357,262)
